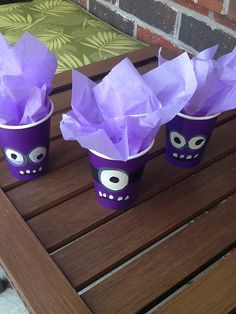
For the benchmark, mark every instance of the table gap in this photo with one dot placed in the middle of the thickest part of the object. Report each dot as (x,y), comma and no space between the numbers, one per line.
(152,245)
(118,213)
(186,285)
(114,215)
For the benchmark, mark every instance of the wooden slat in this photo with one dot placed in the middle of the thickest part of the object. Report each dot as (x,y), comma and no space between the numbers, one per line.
(61,185)
(52,188)
(83,212)
(214,292)
(61,153)
(95,253)
(58,158)
(167,266)
(38,280)
(97,70)
(77,178)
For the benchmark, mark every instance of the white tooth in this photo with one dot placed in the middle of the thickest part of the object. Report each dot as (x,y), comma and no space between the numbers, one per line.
(41,168)
(104,195)
(175,155)
(120,198)
(111,197)
(100,193)
(21,172)
(181,156)
(189,157)
(28,171)
(34,171)
(127,197)
(195,156)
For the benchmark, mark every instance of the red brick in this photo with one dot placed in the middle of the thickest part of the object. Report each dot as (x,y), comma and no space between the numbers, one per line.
(151,38)
(83,3)
(232,10)
(193,6)
(225,21)
(213,5)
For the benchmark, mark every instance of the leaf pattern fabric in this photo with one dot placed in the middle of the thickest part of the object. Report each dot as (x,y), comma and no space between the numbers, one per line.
(74,35)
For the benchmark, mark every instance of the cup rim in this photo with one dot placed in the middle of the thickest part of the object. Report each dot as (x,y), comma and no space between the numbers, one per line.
(130,158)
(30,125)
(182,115)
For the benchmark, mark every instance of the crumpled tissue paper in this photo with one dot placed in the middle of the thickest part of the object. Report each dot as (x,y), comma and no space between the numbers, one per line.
(26,72)
(120,116)
(216,83)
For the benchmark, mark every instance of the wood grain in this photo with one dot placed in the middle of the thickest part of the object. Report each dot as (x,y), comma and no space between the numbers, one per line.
(99,69)
(61,153)
(61,208)
(214,292)
(38,280)
(83,212)
(169,265)
(96,253)
(76,178)
(60,185)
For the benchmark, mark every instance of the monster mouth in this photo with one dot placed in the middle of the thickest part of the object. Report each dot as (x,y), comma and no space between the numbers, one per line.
(31,172)
(184,157)
(112,197)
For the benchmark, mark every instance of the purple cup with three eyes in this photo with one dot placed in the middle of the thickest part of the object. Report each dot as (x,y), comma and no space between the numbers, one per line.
(116,182)
(186,139)
(26,147)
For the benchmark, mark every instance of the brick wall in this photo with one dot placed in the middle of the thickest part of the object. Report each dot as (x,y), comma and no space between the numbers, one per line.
(189,24)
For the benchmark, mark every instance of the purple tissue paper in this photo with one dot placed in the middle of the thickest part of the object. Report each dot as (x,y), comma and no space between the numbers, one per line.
(216,83)
(120,116)
(26,72)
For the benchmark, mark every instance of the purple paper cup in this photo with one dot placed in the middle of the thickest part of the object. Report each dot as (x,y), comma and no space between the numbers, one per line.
(186,139)
(116,182)
(26,147)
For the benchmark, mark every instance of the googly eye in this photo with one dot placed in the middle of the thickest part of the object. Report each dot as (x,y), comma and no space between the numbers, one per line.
(197,142)
(114,180)
(177,140)
(37,154)
(15,157)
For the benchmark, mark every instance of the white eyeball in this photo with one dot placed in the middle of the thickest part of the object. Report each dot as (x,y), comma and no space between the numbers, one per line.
(197,142)
(37,154)
(177,140)
(114,180)
(14,157)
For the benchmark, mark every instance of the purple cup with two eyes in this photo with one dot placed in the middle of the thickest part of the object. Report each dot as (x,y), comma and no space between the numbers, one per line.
(26,147)
(186,139)
(116,182)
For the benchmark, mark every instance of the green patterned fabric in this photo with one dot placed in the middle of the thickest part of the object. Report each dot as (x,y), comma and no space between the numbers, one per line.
(76,37)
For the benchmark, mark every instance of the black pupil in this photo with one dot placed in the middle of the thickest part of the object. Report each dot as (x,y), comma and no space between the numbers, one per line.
(114,179)
(198,142)
(177,140)
(14,156)
(40,156)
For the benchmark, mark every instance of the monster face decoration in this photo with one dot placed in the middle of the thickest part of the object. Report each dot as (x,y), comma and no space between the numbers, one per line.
(186,139)
(186,149)
(26,148)
(116,182)
(31,164)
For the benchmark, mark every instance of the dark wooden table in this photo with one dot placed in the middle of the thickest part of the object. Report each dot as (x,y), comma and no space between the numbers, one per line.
(173,252)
